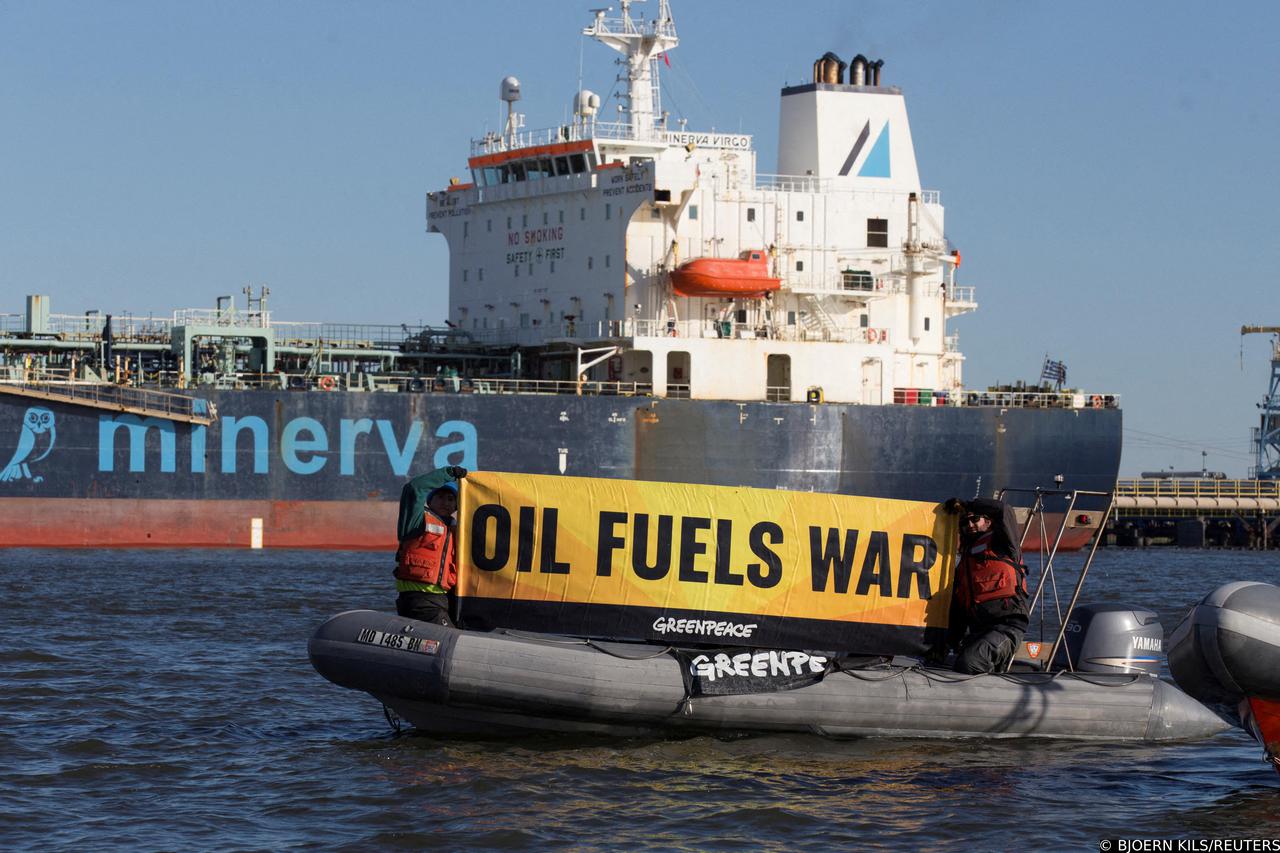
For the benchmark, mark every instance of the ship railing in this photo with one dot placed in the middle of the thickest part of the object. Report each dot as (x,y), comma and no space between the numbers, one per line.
(494,143)
(963,294)
(60,386)
(815,184)
(360,336)
(717,329)
(1034,399)
(1197,488)
(540,386)
(372,382)
(125,328)
(221,317)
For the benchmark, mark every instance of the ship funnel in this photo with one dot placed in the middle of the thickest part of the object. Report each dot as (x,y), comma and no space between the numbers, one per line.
(828,69)
(864,72)
(858,71)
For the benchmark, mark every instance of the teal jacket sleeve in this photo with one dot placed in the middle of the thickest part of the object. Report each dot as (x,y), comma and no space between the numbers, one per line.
(413,500)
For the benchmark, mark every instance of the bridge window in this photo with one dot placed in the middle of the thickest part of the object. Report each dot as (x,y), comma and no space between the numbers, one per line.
(578,162)
(517,171)
(562,166)
(857,280)
(878,233)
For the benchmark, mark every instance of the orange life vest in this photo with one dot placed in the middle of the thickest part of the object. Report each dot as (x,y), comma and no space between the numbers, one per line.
(429,556)
(985,575)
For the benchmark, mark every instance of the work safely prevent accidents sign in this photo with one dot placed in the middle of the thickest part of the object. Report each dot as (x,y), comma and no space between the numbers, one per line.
(689,564)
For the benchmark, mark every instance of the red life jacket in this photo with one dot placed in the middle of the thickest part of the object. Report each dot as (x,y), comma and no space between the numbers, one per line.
(429,556)
(985,576)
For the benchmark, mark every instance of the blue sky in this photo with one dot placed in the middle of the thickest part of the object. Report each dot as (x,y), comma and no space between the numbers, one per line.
(1107,167)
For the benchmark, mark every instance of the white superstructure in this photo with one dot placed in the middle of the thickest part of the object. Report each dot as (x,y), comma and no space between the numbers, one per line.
(564,240)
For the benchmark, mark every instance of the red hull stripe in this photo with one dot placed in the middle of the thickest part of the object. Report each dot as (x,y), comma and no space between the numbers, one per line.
(336,525)
(127,523)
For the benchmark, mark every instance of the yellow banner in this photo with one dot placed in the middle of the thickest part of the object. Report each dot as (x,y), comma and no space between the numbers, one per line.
(688,563)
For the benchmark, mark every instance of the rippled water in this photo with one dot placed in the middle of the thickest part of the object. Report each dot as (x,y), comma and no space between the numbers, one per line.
(163,700)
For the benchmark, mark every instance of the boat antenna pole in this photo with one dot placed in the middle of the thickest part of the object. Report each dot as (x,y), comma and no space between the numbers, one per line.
(640,45)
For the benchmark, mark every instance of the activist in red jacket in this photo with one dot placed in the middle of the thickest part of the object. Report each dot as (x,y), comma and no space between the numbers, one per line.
(426,563)
(989,602)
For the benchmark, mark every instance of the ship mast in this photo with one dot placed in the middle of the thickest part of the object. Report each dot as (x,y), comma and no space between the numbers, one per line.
(640,43)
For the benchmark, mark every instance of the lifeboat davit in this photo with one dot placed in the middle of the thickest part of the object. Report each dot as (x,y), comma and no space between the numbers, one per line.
(746,275)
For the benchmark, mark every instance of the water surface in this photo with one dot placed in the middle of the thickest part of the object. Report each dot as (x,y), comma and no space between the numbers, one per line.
(163,700)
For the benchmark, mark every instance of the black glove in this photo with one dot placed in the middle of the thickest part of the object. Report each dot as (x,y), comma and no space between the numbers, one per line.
(955,506)
(457,472)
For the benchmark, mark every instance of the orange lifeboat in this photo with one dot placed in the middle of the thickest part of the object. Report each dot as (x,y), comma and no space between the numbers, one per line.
(746,275)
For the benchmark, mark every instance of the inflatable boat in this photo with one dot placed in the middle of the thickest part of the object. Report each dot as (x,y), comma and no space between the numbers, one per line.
(504,682)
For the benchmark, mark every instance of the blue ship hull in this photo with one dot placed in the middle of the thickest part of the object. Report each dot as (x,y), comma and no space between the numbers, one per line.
(325,469)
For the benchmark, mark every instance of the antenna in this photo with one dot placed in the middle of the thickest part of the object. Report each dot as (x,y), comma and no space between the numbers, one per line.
(640,43)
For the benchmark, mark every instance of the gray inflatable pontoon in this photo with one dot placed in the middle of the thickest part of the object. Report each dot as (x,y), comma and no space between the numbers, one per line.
(448,680)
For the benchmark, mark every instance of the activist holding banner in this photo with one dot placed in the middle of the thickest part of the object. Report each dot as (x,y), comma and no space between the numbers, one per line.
(695,565)
(989,605)
(426,559)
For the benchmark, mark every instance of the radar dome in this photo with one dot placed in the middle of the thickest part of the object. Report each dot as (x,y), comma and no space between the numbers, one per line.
(586,103)
(509,89)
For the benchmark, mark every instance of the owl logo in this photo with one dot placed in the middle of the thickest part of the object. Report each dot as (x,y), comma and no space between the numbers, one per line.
(34,443)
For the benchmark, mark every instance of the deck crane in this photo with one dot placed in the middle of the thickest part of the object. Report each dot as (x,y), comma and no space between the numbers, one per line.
(1266,436)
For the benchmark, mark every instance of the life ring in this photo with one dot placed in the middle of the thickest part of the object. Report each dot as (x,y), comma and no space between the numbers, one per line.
(1096,401)
(327,383)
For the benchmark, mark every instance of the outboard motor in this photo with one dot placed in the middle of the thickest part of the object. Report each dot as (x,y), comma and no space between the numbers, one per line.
(1226,653)
(1107,638)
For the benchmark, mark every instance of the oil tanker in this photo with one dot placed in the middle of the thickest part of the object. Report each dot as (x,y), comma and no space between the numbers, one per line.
(627,299)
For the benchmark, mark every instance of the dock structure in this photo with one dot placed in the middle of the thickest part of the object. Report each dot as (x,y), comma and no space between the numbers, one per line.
(1195,512)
